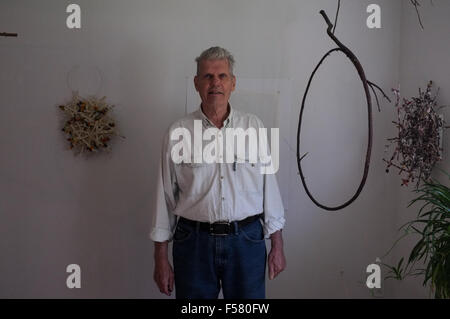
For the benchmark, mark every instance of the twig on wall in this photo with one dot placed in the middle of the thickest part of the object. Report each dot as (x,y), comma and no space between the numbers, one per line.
(337,15)
(367,84)
(5,34)
(372,85)
(416,5)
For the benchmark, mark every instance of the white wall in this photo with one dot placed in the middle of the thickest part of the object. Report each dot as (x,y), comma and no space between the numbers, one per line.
(57,209)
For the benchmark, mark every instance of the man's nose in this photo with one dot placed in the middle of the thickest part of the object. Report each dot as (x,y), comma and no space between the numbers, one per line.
(215,80)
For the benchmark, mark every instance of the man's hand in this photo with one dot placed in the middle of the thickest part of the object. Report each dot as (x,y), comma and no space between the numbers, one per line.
(276,260)
(163,274)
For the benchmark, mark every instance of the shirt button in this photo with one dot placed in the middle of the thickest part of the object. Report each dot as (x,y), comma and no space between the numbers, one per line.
(223,198)
(221,177)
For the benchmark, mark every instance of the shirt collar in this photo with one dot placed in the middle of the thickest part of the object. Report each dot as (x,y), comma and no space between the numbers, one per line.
(207,123)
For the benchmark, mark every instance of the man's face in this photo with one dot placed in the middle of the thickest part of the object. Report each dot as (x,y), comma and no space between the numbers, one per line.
(214,82)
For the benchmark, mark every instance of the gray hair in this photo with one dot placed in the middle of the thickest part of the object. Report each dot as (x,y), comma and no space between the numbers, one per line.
(216,53)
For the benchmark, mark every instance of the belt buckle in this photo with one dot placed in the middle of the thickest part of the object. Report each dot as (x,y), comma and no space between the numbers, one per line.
(212,228)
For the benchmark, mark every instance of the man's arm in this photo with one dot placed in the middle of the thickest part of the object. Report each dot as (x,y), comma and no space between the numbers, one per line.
(163,274)
(164,221)
(276,260)
(273,214)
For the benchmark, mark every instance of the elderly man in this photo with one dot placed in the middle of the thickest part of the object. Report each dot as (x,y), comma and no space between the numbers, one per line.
(217,214)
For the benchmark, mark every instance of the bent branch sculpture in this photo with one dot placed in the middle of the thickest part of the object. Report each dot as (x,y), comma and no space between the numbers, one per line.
(367,84)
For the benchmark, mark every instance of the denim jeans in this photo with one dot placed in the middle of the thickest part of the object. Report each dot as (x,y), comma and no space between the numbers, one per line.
(204,263)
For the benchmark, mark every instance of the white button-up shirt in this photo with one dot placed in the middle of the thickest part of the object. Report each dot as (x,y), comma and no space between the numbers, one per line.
(213,192)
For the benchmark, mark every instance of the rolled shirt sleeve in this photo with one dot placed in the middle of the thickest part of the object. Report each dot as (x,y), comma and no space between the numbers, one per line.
(273,206)
(272,202)
(163,220)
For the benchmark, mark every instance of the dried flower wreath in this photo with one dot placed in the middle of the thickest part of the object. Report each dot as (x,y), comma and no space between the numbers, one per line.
(89,124)
(418,144)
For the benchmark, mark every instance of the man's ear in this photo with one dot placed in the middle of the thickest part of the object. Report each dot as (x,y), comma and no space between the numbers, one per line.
(195,82)
(233,79)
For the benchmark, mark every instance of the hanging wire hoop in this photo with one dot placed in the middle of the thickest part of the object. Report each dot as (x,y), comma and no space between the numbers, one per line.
(70,81)
(342,48)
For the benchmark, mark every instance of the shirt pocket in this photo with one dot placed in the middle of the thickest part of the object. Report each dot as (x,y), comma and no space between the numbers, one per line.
(193,178)
(248,176)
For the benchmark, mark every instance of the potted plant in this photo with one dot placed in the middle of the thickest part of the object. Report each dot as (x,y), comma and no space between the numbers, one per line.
(433,247)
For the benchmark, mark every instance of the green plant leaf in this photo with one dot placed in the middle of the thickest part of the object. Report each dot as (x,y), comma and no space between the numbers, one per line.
(433,247)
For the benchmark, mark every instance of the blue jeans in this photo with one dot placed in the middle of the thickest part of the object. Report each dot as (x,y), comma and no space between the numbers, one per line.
(205,263)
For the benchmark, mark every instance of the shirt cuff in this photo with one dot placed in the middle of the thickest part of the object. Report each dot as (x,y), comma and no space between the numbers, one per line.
(272,226)
(160,235)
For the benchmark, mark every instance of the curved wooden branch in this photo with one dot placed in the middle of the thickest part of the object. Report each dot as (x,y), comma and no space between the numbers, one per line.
(341,47)
(379,89)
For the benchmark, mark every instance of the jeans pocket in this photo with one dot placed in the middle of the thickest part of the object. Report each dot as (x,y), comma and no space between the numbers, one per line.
(182,234)
(253,232)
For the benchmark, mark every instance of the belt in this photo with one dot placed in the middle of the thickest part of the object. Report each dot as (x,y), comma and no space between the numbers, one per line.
(221,228)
